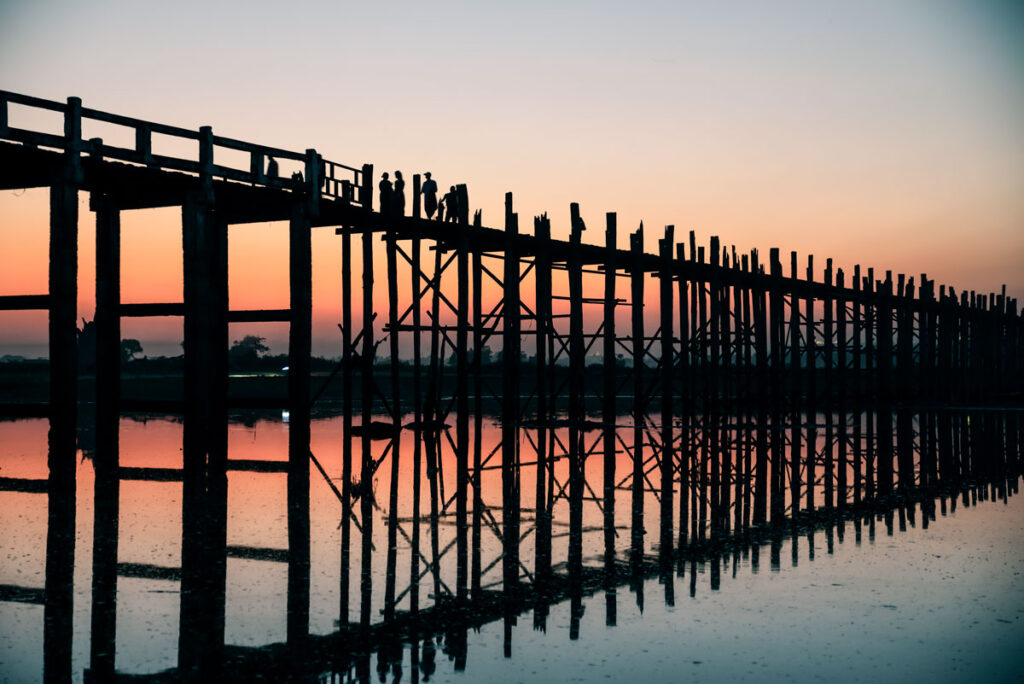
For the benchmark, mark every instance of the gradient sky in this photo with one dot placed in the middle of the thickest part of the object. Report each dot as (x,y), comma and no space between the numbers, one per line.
(889,134)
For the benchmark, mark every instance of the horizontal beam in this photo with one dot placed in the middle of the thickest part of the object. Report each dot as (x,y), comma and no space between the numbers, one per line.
(256,553)
(159,309)
(24,302)
(14,594)
(254,466)
(260,316)
(148,571)
(150,474)
(21,484)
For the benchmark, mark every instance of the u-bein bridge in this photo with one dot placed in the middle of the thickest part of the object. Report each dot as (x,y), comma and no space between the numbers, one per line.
(849,382)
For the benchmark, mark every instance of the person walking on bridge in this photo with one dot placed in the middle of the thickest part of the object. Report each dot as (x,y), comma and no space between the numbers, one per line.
(451,206)
(399,194)
(385,194)
(429,191)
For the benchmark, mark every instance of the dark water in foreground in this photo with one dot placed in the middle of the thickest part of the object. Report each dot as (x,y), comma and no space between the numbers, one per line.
(926,587)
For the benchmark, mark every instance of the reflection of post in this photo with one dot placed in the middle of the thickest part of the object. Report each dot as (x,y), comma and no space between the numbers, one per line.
(60,536)
(107,485)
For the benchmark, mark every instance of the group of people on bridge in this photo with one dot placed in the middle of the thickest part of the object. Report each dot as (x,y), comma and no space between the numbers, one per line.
(448,209)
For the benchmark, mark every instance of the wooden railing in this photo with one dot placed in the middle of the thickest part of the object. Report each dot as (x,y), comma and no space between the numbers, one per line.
(317,177)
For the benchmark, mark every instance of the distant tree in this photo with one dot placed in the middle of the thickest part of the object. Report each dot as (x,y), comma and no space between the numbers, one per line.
(130,349)
(247,351)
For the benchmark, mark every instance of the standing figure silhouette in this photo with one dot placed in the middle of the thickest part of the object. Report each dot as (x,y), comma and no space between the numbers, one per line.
(451,206)
(386,199)
(429,191)
(399,195)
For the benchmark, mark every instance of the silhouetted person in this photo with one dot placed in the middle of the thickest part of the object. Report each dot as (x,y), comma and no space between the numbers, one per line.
(386,193)
(399,195)
(272,171)
(451,206)
(429,191)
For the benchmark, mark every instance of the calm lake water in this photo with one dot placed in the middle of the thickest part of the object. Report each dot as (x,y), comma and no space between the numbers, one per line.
(930,590)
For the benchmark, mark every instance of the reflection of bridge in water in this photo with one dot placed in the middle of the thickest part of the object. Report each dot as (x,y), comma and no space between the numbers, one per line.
(566,550)
(718,442)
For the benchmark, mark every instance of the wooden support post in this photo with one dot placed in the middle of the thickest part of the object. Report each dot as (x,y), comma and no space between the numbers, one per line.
(766,393)
(724,392)
(299,350)
(478,417)
(707,392)
(795,372)
(746,334)
(811,376)
(391,244)
(577,370)
(667,394)
(713,412)
(842,387)
(857,383)
(870,392)
(827,383)
(204,444)
(636,277)
(542,283)
(106,490)
(885,357)
(348,364)
(62,462)
(608,412)
(366,467)
(904,419)
(415,290)
(510,400)
(462,415)
(685,373)
(778,503)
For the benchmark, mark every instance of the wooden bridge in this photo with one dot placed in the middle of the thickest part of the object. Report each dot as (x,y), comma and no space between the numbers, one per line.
(737,342)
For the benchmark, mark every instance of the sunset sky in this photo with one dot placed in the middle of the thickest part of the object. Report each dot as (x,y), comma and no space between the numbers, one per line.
(889,134)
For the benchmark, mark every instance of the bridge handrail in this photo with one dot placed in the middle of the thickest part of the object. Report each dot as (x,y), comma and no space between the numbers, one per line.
(321,178)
